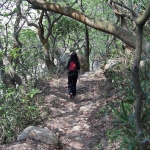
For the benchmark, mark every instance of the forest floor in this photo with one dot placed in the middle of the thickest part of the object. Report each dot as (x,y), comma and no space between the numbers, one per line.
(83,122)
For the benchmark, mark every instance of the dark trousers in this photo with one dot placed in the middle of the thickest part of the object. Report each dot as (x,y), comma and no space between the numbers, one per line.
(72,81)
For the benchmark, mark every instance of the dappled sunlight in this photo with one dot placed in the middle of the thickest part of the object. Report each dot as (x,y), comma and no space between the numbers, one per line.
(79,120)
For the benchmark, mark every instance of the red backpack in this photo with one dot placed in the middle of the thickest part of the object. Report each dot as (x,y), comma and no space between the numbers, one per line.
(72,66)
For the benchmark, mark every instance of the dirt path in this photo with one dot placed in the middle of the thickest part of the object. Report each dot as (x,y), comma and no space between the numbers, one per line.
(82,122)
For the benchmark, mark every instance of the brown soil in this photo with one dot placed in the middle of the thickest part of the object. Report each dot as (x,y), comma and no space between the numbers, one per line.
(81,122)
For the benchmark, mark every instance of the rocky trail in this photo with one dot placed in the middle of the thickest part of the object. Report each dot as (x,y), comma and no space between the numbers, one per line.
(82,122)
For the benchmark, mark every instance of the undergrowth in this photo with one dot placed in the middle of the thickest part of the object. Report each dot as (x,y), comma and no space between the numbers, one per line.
(18,109)
(123,116)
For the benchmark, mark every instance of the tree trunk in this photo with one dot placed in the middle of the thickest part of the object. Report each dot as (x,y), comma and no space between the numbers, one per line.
(10,78)
(140,21)
(50,64)
(137,86)
(45,43)
(87,48)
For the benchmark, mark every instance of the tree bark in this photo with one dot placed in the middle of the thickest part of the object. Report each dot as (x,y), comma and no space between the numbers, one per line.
(10,78)
(136,80)
(87,47)
(140,21)
(45,43)
(50,64)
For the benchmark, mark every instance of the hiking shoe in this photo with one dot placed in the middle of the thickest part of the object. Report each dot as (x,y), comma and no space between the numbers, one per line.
(71,96)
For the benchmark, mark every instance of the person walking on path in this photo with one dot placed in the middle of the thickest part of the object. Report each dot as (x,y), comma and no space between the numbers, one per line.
(73,69)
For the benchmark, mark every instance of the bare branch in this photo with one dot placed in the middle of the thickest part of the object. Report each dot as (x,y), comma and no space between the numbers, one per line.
(142,19)
(17,22)
(131,10)
(51,24)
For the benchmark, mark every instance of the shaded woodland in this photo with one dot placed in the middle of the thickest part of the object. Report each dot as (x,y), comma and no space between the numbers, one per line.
(36,39)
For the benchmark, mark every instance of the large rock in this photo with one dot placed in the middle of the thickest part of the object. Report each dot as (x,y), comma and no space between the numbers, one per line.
(64,59)
(112,62)
(83,63)
(44,135)
(96,64)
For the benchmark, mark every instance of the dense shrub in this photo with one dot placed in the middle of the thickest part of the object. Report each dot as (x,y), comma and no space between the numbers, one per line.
(124,129)
(17,111)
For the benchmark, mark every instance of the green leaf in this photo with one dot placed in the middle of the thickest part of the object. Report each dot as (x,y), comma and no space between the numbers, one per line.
(129,101)
(127,139)
(143,117)
(124,111)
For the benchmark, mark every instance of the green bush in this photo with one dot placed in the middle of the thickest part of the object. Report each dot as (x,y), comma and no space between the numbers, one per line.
(124,129)
(17,111)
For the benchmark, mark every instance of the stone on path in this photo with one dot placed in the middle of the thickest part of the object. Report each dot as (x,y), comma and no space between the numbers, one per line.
(39,134)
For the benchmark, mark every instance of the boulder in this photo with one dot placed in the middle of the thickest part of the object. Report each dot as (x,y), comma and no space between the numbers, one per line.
(64,59)
(83,63)
(112,62)
(40,134)
(96,64)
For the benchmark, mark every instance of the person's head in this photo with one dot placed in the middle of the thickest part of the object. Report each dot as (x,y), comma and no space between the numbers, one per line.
(74,56)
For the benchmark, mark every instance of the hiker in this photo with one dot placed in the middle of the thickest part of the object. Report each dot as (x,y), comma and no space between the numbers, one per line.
(73,69)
